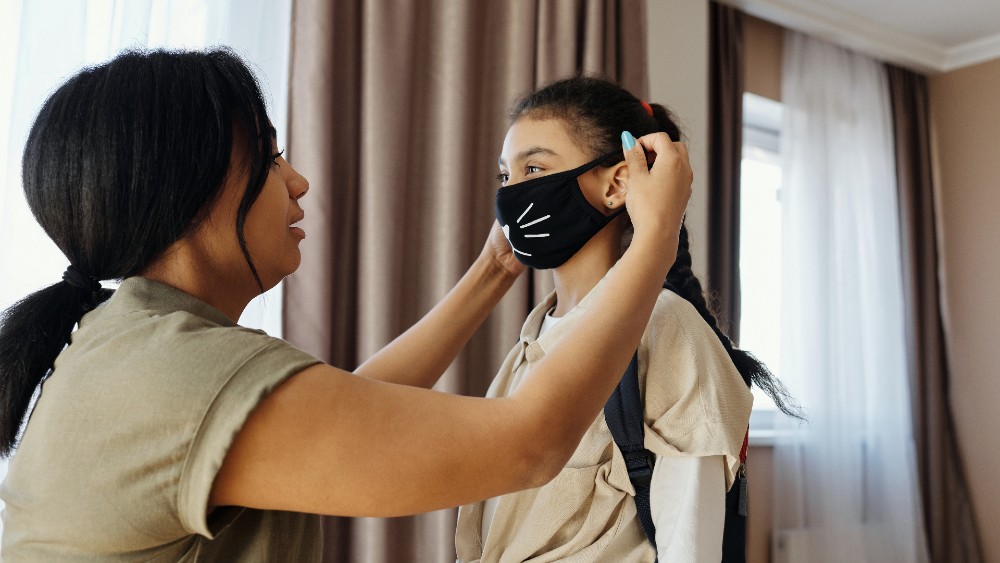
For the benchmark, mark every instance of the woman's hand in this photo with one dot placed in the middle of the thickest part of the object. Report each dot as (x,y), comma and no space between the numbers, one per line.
(497,249)
(657,197)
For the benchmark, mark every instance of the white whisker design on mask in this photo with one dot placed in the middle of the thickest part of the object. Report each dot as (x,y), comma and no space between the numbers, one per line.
(506,233)
(537,236)
(535,221)
(530,205)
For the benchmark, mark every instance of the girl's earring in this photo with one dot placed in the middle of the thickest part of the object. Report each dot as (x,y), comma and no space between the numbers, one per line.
(611,204)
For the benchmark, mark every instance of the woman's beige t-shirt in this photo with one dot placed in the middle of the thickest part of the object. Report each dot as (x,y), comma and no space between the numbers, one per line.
(119,455)
(696,404)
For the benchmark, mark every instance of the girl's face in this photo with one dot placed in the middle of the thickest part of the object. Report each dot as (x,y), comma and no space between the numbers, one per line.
(538,147)
(271,237)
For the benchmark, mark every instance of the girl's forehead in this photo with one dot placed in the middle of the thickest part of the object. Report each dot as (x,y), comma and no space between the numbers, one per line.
(527,134)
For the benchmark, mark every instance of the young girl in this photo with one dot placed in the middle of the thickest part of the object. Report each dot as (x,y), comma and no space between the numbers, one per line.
(163,431)
(561,205)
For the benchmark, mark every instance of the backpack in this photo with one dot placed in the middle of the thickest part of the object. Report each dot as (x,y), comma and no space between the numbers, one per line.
(624,415)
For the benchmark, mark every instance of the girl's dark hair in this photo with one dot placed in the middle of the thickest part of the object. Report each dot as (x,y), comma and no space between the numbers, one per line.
(596,111)
(124,159)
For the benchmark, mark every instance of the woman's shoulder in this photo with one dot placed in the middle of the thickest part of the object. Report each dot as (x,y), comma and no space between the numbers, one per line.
(168,348)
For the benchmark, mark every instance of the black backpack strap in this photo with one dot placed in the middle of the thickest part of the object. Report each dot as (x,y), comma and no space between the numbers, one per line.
(734,535)
(623,413)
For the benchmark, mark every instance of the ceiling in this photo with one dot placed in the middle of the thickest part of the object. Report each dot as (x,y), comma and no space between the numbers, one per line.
(929,35)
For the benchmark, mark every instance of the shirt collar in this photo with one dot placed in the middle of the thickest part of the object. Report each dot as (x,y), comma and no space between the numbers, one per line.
(138,294)
(529,332)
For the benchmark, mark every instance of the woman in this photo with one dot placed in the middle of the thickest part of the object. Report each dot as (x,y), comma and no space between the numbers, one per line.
(562,206)
(164,431)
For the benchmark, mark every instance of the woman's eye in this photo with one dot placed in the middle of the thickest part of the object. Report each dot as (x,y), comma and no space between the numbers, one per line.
(274,158)
(529,170)
(503,177)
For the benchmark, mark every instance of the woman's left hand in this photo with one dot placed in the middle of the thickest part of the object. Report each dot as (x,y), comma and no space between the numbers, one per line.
(498,251)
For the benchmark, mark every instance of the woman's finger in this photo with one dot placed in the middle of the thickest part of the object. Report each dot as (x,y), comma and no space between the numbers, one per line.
(668,154)
(635,156)
(656,144)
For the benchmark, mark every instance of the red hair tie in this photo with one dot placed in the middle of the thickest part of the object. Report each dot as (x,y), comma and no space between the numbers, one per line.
(647,107)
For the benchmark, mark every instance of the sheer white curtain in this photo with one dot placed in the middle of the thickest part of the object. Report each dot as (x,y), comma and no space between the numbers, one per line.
(43,42)
(845,482)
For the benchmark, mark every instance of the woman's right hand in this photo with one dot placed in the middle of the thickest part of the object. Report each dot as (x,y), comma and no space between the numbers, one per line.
(657,197)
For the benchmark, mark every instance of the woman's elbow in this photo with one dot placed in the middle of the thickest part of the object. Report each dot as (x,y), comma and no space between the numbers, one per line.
(542,442)
(545,454)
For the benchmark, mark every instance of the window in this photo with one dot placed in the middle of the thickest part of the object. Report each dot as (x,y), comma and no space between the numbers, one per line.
(760,248)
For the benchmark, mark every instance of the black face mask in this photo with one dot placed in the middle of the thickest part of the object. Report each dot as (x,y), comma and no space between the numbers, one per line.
(547,220)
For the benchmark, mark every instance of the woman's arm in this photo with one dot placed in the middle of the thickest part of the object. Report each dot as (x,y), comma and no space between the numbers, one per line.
(328,442)
(420,355)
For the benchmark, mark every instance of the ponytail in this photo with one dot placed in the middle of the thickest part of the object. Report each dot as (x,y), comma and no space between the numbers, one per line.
(682,278)
(32,333)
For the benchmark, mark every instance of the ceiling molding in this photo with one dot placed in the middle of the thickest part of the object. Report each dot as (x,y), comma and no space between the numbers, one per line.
(973,52)
(862,35)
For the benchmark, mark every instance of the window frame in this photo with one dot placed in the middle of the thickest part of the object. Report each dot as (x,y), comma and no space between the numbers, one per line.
(762,131)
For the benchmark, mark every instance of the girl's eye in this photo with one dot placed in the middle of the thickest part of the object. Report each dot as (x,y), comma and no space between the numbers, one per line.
(274,158)
(504,177)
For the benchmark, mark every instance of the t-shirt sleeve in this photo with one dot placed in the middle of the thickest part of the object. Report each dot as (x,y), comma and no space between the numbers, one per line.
(688,507)
(263,365)
(697,403)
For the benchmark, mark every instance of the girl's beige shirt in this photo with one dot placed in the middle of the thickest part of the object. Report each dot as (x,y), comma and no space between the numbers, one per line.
(696,404)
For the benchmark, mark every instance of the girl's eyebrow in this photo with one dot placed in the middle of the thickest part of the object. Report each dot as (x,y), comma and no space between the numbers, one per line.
(530,152)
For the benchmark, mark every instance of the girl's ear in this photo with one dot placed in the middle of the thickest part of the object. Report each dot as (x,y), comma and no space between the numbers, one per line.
(614,193)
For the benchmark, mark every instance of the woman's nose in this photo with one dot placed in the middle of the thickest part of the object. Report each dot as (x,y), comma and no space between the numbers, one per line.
(297,186)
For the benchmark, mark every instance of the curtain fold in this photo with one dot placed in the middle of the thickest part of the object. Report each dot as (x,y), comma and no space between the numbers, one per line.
(948,519)
(845,483)
(725,116)
(397,116)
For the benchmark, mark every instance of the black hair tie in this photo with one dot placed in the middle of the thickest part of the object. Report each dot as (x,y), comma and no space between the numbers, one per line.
(76,278)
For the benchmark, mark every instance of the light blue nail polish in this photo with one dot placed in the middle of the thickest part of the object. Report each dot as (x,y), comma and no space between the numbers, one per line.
(628,141)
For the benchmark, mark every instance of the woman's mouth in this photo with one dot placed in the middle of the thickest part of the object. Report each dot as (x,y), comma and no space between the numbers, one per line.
(297,231)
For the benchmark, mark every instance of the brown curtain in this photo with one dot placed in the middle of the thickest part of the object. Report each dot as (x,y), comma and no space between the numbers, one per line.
(948,519)
(725,115)
(397,118)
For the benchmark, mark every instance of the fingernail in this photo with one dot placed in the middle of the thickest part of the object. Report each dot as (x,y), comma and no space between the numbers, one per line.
(628,141)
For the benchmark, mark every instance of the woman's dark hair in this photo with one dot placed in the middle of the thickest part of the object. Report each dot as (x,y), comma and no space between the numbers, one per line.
(124,159)
(596,111)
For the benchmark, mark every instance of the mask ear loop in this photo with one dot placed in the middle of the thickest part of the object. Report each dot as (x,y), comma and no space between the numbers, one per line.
(573,173)
(596,214)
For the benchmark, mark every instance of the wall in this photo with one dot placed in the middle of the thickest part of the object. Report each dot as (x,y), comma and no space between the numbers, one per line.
(678,78)
(966,118)
(763,44)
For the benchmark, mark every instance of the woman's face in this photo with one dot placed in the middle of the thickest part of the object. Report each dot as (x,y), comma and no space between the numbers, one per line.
(538,147)
(271,237)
